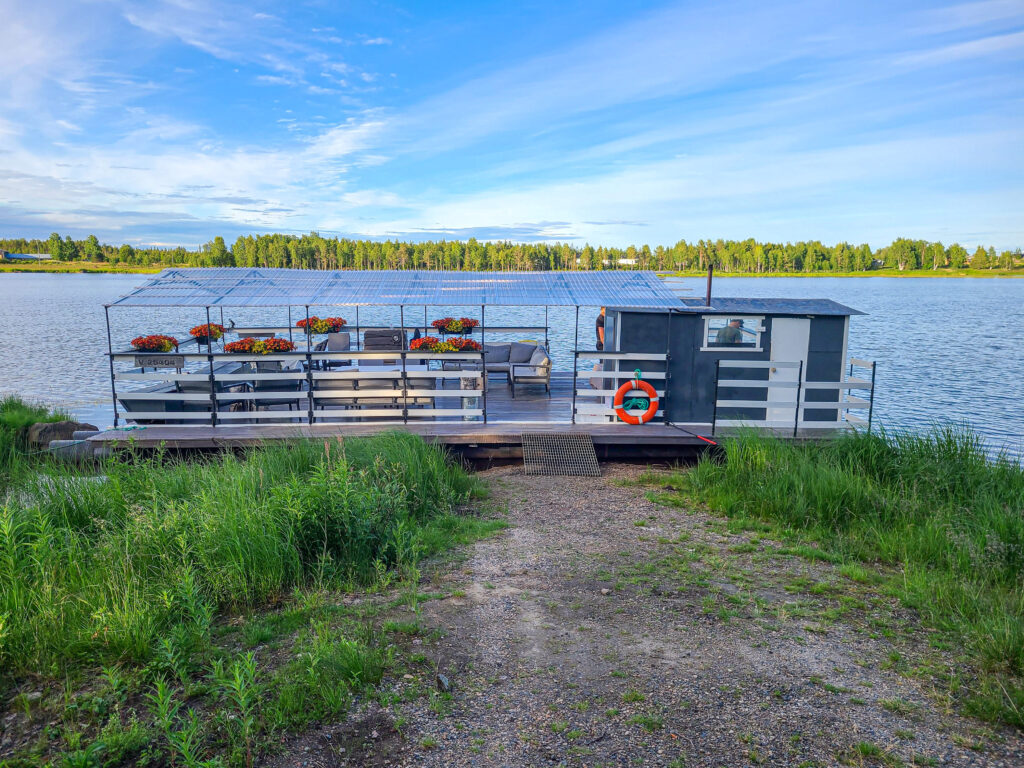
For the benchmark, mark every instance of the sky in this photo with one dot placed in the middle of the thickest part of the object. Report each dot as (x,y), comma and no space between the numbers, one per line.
(167,122)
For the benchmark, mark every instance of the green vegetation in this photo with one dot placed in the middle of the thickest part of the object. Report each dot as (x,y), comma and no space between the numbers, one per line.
(730,256)
(16,416)
(146,602)
(942,518)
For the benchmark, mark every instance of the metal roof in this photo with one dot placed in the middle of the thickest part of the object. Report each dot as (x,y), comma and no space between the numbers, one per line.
(737,306)
(256,287)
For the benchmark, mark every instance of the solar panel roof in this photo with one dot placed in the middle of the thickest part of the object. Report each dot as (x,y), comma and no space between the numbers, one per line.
(256,287)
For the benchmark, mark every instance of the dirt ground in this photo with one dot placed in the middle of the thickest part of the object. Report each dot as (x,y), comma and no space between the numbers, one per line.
(604,629)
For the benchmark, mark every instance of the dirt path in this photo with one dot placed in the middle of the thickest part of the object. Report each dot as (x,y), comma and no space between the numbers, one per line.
(604,629)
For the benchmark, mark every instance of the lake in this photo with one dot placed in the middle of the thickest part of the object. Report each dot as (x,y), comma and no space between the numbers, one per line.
(948,349)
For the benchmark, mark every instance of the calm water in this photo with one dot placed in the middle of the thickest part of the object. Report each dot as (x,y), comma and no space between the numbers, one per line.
(947,348)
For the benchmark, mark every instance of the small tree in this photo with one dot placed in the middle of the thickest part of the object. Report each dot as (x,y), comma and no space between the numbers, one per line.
(980,259)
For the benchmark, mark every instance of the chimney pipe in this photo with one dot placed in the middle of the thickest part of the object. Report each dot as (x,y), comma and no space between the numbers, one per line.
(707,296)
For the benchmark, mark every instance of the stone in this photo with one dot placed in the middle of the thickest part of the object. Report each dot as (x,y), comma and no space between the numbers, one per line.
(443,683)
(606,591)
(45,431)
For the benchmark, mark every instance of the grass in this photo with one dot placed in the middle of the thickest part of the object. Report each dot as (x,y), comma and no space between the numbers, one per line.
(102,573)
(16,416)
(171,587)
(944,515)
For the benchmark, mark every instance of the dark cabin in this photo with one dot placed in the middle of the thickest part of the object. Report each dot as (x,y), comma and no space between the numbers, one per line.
(806,338)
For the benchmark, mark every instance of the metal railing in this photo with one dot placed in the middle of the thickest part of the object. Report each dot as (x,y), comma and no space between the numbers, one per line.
(785,413)
(217,388)
(600,411)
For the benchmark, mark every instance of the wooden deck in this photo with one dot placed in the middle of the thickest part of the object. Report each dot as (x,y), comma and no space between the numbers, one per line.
(473,439)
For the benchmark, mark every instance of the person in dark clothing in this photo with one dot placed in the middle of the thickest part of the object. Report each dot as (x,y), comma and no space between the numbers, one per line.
(599,327)
(731,333)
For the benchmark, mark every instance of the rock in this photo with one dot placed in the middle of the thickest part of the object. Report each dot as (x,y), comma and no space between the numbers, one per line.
(45,431)
(443,683)
(606,591)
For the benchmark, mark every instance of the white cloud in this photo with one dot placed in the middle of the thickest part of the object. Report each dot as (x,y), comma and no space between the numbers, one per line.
(377,41)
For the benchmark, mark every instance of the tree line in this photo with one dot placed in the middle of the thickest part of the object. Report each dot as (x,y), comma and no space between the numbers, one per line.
(315,252)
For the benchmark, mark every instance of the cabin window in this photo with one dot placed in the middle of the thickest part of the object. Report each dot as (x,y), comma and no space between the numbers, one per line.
(739,333)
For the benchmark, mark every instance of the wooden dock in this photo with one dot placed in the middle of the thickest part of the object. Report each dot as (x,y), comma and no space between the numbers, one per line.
(474,440)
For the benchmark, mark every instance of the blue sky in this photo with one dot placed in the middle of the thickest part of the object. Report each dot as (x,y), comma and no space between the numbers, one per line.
(605,122)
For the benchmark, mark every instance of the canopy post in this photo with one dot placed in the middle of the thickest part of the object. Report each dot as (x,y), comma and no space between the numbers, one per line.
(209,357)
(221,325)
(575,363)
(110,357)
(405,374)
(483,357)
(289,322)
(358,347)
(309,336)
(546,347)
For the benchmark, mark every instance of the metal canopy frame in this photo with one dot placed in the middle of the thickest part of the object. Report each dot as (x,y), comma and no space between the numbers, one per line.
(258,287)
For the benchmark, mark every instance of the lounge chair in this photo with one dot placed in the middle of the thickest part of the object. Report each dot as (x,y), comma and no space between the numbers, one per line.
(536,371)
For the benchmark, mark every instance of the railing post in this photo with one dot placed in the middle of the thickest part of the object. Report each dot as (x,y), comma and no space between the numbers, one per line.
(483,381)
(309,386)
(871,397)
(405,385)
(799,388)
(575,373)
(714,405)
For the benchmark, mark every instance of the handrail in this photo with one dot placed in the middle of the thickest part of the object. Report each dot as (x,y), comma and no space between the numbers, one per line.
(799,402)
(409,392)
(600,410)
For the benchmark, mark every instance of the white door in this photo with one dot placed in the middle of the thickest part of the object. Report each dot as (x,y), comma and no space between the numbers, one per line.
(790,339)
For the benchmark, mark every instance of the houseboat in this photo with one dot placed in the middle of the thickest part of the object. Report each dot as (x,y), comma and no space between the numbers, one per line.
(475,359)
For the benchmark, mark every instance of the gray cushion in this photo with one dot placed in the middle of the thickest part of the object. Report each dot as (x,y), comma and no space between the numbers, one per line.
(539,357)
(499,367)
(496,353)
(521,353)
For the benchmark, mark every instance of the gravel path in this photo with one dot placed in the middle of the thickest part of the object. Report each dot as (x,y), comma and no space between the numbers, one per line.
(604,629)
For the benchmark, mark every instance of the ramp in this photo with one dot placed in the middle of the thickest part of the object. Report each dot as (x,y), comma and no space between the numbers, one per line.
(566,453)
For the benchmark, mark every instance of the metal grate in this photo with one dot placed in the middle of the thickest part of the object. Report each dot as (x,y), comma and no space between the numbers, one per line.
(572,453)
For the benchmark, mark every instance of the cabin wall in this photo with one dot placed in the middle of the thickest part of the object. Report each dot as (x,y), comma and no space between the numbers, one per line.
(692,372)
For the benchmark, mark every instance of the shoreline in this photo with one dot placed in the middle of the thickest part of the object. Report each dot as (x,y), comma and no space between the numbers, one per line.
(99,268)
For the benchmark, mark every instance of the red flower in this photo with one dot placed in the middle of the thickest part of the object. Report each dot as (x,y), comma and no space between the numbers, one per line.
(204,331)
(425,341)
(322,325)
(251,346)
(155,343)
(465,345)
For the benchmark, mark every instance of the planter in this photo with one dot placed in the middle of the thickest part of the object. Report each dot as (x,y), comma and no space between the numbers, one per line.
(319,325)
(156,342)
(251,346)
(455,324)
(434,344)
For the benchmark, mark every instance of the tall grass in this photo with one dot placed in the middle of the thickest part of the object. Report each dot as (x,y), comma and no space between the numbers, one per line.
(16,416)
(101,569)
(934,505)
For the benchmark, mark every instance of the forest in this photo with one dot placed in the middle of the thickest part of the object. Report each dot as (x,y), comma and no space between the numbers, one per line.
(736,256)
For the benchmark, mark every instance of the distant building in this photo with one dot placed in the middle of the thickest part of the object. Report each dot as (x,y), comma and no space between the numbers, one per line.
(7,256)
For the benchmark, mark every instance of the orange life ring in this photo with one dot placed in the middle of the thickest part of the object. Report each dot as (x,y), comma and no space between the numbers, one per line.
(620,396)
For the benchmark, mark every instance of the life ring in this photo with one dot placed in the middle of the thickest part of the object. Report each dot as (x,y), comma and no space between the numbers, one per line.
(620,396)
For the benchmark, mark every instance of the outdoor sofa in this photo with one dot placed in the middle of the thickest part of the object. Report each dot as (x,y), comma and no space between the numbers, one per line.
(522,363)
